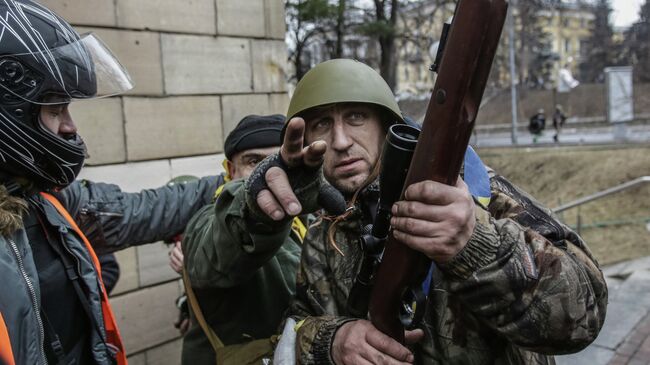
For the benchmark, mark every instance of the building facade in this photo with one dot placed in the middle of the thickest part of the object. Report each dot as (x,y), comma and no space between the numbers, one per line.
(566,27)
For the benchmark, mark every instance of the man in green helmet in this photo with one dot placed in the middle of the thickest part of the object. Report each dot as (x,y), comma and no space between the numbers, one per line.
(509,284)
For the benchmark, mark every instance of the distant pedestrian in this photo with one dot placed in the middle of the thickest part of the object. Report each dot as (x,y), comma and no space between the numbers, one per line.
(537,124)
(558,121)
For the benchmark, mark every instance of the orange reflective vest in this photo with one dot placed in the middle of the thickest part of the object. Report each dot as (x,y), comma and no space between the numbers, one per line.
(6,355)
(112,333)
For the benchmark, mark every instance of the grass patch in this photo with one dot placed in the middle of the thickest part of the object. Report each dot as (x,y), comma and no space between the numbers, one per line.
(556,175)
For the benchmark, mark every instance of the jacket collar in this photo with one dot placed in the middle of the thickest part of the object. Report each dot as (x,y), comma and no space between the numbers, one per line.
(12,209)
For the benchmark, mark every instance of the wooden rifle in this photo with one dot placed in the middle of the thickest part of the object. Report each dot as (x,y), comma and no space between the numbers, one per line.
(463,64)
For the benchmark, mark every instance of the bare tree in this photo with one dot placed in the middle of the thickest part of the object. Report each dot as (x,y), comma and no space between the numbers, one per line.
(325,23)
(534,53)
(381,25)
(307,20)
(414,17)
(386,15)
(340,28)
(637,45)
(351,28)
(598,52)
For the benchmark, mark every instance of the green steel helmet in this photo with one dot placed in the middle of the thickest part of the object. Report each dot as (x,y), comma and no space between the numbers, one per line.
(342,81)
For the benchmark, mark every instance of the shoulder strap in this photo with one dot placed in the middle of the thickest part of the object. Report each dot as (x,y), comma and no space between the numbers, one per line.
(55,342)
(194,303)
(223,179)
(6,354)
(73,277)
(110,325)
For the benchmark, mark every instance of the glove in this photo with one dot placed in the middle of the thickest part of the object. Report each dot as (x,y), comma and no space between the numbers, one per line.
(308,184)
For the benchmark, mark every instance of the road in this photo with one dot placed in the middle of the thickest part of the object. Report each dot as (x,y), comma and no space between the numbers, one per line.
(591,135)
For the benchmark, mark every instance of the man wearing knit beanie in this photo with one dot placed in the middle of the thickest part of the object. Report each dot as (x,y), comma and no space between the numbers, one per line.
(241,288)
(254,138)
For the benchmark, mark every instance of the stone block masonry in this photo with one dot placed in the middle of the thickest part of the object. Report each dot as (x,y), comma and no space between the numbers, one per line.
(198,66)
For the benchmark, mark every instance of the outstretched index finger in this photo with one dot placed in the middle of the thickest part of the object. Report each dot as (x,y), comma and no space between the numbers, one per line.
(291,150)
(314,153)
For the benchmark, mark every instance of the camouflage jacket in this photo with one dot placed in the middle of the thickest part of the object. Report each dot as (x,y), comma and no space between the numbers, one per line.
(525,287)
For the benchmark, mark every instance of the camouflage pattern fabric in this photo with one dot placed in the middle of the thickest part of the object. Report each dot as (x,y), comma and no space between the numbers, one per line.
(524,288)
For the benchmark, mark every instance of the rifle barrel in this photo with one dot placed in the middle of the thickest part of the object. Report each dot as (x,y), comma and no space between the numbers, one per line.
(464,69)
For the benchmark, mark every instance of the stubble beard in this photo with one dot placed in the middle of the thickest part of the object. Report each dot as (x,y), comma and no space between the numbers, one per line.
(348,185)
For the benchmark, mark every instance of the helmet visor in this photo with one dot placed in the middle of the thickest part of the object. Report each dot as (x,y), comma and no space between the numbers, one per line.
(83,69)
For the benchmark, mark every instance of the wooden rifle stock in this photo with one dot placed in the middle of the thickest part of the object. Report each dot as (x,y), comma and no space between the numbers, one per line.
(447,127)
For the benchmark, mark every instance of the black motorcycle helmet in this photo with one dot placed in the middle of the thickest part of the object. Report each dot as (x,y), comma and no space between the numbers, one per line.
(44,61)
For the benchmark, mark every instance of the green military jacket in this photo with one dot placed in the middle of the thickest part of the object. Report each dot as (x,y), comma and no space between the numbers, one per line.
(243,275)
(525,287)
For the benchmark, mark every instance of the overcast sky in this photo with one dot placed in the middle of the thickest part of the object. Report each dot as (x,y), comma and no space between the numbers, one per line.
(625,12)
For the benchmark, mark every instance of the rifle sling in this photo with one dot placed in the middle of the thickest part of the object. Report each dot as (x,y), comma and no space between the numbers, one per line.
(194,303)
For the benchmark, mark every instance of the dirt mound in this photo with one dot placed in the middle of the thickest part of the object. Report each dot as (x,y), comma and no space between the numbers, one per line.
(615,226)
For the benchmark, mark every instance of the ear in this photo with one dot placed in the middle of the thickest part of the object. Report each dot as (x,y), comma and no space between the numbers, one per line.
(230,168)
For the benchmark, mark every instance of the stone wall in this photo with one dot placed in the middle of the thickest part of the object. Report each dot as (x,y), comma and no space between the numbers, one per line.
(199,66)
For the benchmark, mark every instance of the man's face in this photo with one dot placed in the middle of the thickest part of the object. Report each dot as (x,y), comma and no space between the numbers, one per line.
(243,163)
(354,134)
(56,118)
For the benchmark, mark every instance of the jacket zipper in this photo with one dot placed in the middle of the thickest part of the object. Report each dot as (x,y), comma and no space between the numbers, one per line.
(32,293)
(86,211)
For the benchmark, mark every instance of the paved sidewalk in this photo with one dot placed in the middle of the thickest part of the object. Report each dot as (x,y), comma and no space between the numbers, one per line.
(625,337)
(595,135)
